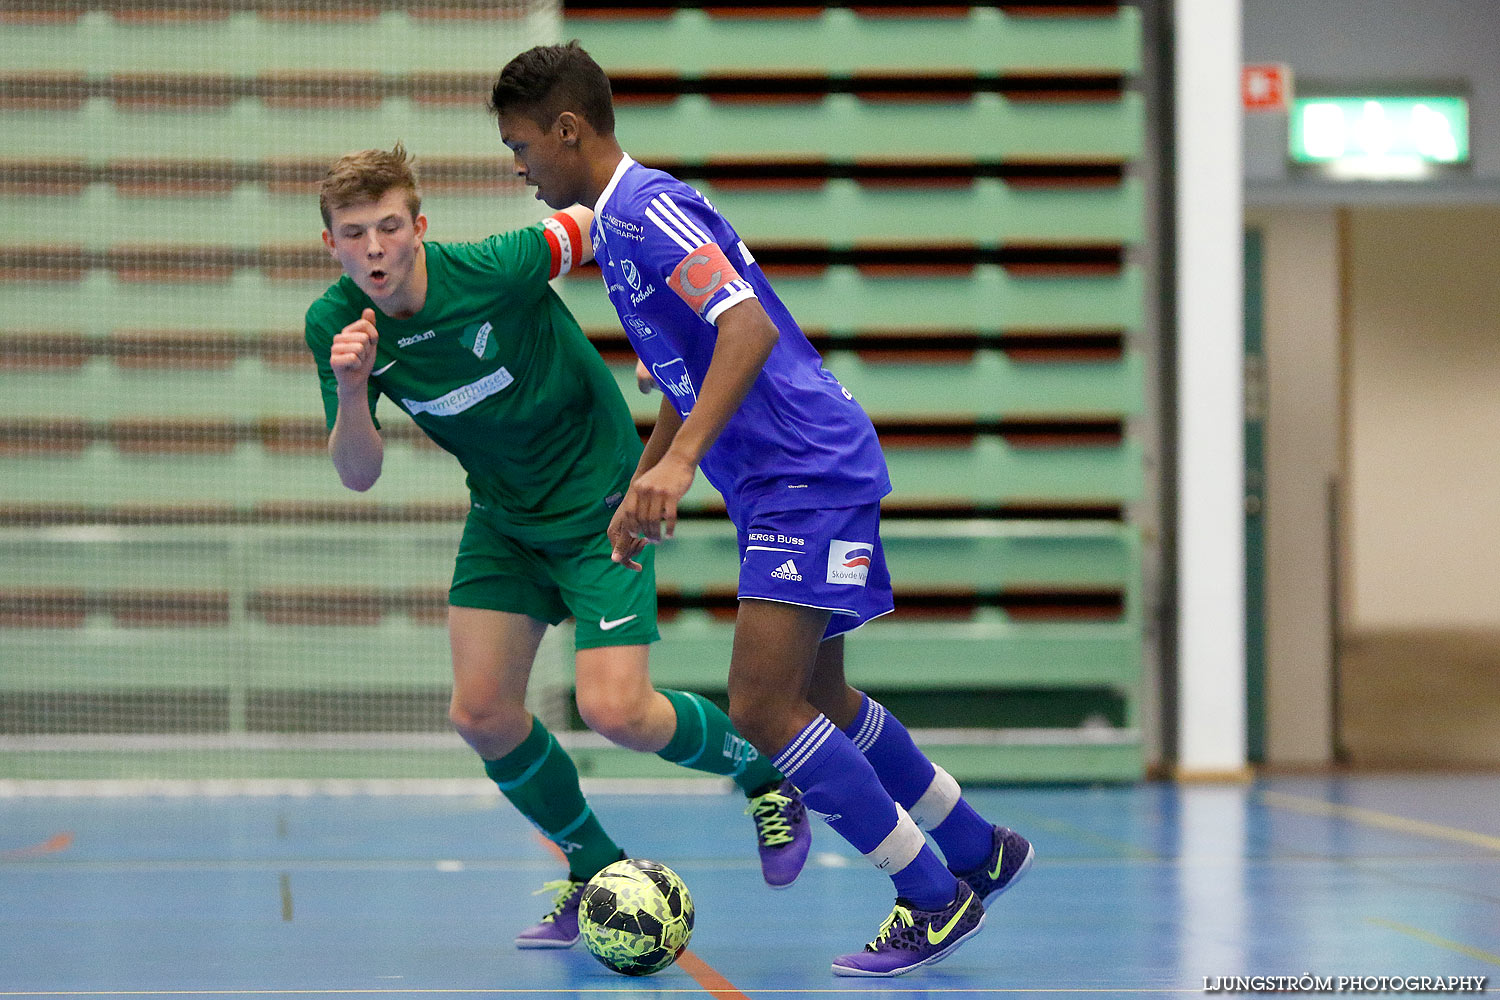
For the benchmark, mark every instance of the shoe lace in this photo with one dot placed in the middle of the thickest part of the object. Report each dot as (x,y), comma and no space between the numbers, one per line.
(898,921)
(564,889)
(771,824)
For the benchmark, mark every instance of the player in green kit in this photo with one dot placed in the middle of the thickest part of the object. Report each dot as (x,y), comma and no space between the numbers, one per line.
(473,344)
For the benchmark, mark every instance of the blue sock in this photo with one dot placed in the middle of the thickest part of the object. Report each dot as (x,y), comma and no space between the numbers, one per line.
(931,796)
(838,782)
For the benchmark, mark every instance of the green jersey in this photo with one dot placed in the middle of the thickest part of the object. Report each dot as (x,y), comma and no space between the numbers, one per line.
(495,370)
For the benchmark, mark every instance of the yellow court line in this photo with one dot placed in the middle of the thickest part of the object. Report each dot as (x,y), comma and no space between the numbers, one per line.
(1431,938)
(1054,825)
(1386,821)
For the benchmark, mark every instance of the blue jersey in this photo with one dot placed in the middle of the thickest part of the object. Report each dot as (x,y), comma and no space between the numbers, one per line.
(672,264)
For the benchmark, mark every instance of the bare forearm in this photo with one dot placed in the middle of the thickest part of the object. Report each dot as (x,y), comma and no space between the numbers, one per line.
(667,424)
(648,512)
(746,338)
(355,445)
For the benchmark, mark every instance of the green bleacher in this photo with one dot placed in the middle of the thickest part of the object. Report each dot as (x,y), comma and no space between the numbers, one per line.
(985,383)
(840,212)
(945,202)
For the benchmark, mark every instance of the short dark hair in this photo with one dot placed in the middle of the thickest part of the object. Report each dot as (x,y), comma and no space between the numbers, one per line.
(545,81)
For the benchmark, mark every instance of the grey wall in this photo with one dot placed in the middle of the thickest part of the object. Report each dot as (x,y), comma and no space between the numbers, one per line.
(1424,418)
(1377,372)
(1302,452)
(1364,40)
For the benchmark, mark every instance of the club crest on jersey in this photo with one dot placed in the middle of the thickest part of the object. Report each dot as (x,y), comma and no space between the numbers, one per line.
(849,562)
(476,337)
(633,279)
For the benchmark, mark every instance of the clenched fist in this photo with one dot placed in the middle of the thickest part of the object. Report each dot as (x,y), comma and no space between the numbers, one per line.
(353,354)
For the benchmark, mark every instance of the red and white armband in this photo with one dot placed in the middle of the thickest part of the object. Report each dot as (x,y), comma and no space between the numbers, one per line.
(702,275)
(565,240)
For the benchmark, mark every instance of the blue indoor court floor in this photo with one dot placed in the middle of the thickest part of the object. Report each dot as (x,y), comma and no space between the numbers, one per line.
(1146,889)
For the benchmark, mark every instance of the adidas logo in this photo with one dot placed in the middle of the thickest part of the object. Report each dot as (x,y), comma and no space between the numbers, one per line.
(787,571)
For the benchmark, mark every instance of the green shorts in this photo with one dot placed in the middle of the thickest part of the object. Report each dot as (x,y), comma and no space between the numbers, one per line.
(553,580)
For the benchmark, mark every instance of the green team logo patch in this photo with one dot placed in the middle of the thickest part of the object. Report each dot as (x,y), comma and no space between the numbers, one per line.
(478,338)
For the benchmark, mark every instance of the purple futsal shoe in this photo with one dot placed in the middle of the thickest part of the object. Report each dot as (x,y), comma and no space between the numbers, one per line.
(781,832)
(1010,856)
(559,928)
(911,938)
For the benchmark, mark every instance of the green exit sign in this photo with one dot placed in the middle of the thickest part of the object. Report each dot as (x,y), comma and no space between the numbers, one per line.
(1380,136)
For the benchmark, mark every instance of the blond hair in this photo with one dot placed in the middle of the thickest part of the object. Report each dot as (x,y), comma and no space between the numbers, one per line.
(366,176)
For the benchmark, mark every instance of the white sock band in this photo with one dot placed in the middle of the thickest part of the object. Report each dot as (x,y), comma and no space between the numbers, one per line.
(937,802)
(899,847)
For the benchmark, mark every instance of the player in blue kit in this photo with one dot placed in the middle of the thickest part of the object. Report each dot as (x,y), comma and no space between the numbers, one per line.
(746,398)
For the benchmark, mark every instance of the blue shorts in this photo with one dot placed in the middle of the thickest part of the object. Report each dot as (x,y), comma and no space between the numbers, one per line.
(827,559)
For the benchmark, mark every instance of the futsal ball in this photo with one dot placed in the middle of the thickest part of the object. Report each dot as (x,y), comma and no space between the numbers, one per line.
(636,916)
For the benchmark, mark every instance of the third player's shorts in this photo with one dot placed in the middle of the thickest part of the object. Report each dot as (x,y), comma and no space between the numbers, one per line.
(552,580)
(827,559)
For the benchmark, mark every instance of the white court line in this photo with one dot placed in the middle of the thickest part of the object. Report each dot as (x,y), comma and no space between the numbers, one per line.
(544,991)
(13,788)
(57,863)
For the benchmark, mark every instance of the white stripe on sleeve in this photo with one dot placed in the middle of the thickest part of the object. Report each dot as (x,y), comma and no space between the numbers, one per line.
(686,222)
(670,231)
(717,309)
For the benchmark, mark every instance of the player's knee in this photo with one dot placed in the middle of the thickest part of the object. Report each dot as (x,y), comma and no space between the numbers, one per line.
(840,702)
(489,719)
(621,720)
(757,721)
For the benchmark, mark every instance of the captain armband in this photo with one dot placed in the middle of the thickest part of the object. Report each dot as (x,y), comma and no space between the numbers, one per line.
(700,275)
(565,240)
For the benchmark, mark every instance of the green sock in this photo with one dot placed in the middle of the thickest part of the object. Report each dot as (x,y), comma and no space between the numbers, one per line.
(540,780)
(706,740)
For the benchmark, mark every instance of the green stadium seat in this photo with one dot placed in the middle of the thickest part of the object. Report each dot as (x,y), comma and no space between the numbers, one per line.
(210,468)
(839,299)
(835,40)
(972,556)
(842,41)
(176,531)
(988,213)
(988,126)
(988,384)
(230,39)
(988,298)
(694,653)
(841,213)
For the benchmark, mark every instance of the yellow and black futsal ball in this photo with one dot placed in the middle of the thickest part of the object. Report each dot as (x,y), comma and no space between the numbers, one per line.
(636,916)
